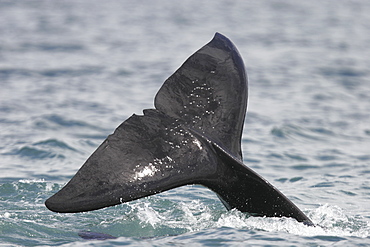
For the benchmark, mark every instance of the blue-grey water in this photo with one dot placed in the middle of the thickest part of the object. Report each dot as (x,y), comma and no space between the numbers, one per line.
(72,71)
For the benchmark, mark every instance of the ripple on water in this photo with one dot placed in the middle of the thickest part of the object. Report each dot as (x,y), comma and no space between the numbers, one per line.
(56,121)
(324,185)
(46,149)
(301,167)
(34,153)
(159,217)
(291,131)
(55,143)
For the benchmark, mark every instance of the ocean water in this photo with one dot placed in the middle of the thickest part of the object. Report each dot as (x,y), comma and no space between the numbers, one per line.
(72,71)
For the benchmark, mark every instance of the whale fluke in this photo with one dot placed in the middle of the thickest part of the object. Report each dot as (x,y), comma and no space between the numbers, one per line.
(193,136)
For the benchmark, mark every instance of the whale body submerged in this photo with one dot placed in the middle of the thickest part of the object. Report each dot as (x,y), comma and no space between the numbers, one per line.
(193,136)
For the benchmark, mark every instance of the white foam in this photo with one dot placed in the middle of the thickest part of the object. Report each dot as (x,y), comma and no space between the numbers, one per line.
(30,181)
(148,215)
(329,220)
(6,215)
(195,215)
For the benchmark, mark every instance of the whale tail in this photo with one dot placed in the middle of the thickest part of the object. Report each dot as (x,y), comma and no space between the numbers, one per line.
(192,136)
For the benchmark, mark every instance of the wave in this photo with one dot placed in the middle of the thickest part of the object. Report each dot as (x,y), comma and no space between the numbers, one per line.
(49,148)
(6,73)
(161,219)
(53,121)
(291,131)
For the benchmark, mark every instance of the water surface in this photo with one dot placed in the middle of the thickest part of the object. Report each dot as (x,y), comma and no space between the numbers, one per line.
(72,71)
